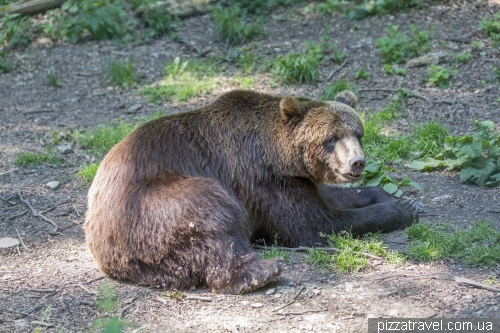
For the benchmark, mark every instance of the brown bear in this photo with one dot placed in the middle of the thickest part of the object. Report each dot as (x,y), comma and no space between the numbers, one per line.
(178,201)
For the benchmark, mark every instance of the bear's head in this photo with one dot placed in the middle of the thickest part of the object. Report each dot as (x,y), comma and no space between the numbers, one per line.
(327,137)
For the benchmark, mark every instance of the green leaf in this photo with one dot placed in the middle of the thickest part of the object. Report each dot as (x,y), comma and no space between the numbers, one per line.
(390,188)
(479,171)
(94,23)
(426,165)
(470,146)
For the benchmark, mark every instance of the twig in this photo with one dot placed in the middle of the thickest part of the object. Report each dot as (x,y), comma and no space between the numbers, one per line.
(457,279)
(41,323)
(7,199)
(46,291)
(299,313)
(38,111)
(141,328)
(13,217)
(494,211)
(86,289)
(292,301)
(7,172)
(191,45)
(19,278)
(76,211)
(412,93)
(327,249)
(94,280)
(336,70)
(22,242)
(26,201)
(198,298)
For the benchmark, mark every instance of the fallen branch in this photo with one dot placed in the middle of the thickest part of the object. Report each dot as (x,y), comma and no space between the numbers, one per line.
(336,70)
(292,301)
(13,217)
(41,323)
(22,242)
(28,7)
(7,172)
(299,313)
(46,291)
(38,111)
(198,298)
(327,249)
(457,279)
(26,201)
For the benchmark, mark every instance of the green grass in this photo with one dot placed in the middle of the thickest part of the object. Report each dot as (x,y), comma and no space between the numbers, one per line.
(350,258)
(54,80)
(440,76)
(463,57)
(120,73)
(395,48)
(390,69)
(49,156)
(87,173)
(101,138)
(492,29)
(300,67)
(230,27)
(379,7)
(336,87)
(478,245)
(183,81)
(362,74)
(273,252)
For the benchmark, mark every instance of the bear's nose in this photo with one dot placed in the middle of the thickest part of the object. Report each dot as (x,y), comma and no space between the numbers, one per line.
(357,164)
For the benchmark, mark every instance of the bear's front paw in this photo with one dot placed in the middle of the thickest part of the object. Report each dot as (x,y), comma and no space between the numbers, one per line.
(414,207)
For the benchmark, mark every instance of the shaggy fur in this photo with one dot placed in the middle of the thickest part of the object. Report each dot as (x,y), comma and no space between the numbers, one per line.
(177,202)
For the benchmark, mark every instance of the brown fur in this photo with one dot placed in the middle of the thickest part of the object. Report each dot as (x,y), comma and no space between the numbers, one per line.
(177,202)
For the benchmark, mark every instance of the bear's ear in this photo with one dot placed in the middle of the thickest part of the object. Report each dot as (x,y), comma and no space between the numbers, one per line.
(347,97)
(290,107)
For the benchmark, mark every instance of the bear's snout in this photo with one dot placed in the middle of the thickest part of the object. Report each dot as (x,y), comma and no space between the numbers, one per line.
(357,165)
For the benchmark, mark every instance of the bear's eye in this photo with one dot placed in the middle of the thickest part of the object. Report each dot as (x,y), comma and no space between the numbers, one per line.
(332,141)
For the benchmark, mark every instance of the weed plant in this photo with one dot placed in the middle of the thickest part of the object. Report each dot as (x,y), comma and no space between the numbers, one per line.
(463,57)
(156,18)
(333,89)
(54,80)
(390,69)
(5,65)
(87,173)
(379,7)
(14,32)
(230,26)
(396,47)
(349,258)
(183,81)
(362,74)
(478,245)
(440,76)
(49,156)
(120,73)
(492,28)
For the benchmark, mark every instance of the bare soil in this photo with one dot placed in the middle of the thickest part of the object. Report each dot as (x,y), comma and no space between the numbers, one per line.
(57,271)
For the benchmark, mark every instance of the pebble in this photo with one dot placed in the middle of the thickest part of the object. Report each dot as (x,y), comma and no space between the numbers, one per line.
(134,108)
(53,184)
(270,291)
(245,302)
(316,292)
(256,305)
(394,313)
(65,149)
(371,315)
(8,242)
(442,197)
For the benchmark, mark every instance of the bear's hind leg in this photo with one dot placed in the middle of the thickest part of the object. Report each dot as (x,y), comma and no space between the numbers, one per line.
(201,235)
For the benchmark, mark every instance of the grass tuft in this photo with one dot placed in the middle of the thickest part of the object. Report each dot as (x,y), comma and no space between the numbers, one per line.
(350,257)
(337,87)
(478,245)
(87,173)
(230,28)
(49,156)
(120,73)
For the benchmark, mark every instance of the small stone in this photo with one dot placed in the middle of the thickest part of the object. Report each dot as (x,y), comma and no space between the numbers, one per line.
(20,322)
(65,148)
(134,108)
(316,292)
(270,291)
(53,184)
(245,302)
(428,59)
(394,313)
(349,286)
(371,315)
(256,305)
(442,198)
(70,259)
(8,242)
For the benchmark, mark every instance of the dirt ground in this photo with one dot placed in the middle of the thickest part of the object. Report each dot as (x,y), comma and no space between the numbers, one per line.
(57,271)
